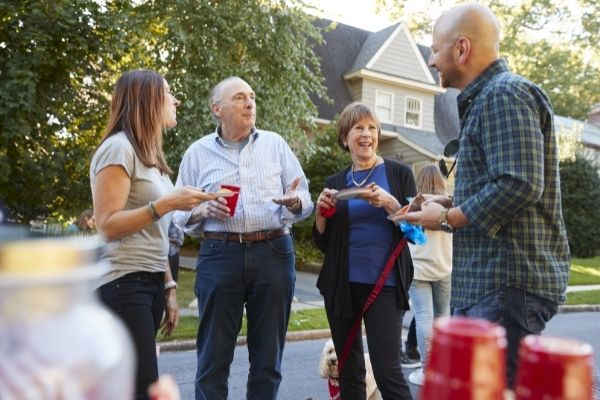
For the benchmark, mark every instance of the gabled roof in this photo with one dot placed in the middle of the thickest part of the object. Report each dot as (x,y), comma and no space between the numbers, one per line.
(371,46)
(338,52)
(347,48)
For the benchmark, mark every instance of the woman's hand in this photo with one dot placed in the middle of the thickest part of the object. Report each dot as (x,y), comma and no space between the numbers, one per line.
(185,198)
(171,318)
(325,201)
(378,197)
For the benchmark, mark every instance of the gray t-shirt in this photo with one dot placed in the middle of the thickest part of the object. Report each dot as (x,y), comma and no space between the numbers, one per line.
(147,249)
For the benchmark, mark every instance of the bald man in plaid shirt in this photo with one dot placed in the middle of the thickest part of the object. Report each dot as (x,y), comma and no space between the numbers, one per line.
(511,254)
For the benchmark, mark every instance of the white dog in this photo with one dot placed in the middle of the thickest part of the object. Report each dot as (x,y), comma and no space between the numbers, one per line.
(328,370)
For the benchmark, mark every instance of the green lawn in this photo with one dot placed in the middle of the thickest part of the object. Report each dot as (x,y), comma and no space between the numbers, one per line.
(185,287)
(299,321)
(585,297)
(585,271)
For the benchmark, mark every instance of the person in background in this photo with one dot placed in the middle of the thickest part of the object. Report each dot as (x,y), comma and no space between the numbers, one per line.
(430,288)
(510,250)
(85,224)
(357,240)
(133,198)
(247,255)
(176,237)
(410,357)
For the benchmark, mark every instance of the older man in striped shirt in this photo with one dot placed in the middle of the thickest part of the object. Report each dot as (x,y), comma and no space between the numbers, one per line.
(246,258)
(511,254)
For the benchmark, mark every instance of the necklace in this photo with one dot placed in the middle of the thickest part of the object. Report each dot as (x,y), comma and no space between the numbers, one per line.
(359,184)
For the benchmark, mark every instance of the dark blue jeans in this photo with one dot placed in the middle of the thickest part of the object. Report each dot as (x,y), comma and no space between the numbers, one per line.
(519,312)
(260,275)
(139,300)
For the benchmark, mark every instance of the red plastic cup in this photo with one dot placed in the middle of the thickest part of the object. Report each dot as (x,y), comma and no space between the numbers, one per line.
(327,212)
(554,368)
(232,200)
(466,360)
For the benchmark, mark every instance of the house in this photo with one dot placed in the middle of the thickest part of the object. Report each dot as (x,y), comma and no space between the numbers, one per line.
(388,71)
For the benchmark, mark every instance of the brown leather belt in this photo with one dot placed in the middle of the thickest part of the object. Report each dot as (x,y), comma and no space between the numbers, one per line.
(257,236)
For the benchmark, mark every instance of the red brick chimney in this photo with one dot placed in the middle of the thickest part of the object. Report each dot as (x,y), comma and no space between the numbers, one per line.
(594,115)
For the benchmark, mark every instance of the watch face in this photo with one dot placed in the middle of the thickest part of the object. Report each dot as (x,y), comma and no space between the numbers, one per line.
(446,228)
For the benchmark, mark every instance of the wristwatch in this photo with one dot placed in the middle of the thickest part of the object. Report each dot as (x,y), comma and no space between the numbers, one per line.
(444,225)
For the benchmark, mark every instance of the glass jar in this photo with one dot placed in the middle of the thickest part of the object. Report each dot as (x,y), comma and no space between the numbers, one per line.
(56,339)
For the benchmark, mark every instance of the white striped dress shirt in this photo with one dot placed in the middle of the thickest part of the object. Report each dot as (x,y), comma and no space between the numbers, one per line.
(264,169)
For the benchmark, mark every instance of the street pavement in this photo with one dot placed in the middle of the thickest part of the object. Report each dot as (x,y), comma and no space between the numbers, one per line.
(301,380)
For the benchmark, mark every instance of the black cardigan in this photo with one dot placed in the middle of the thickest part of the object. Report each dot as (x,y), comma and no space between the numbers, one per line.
(333,279)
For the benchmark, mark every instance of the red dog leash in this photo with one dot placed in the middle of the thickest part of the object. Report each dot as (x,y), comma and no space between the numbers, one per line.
(372,296)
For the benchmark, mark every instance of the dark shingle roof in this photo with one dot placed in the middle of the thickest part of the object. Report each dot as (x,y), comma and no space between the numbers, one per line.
(370,47)
(338,52)
(426,140)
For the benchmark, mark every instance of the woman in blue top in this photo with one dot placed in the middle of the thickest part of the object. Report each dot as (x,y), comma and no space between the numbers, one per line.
(357,241)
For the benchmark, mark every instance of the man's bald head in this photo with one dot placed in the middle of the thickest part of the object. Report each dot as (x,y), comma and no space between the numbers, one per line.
(475,22)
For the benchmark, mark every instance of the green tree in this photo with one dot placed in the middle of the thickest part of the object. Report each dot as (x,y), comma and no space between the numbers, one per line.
(60,58)
(544,40)
(580,188)
(265,42)
(57,61)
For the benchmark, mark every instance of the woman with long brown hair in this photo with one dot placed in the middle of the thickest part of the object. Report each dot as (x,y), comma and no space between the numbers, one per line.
(133,198)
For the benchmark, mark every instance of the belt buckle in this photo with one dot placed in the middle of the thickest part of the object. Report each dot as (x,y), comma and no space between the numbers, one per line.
(240,237)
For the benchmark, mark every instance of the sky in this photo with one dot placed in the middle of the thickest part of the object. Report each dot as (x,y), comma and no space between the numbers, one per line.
(362,14)
(358,13)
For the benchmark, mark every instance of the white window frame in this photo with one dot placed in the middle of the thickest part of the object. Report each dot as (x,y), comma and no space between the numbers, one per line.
(377,96)
(406,100)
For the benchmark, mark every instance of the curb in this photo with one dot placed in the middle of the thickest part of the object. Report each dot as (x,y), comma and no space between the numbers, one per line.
(182,345)
(579,308)
(190,344)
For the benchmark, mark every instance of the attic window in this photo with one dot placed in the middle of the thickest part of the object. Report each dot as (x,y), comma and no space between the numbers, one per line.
(384,106)
(412,115)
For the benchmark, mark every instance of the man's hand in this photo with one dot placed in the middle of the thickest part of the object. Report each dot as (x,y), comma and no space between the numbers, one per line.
(216,209)
(171,318)
(428,217)
(290,199)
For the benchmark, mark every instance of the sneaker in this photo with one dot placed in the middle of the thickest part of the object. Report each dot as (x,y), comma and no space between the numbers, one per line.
(417,377)
(408,362)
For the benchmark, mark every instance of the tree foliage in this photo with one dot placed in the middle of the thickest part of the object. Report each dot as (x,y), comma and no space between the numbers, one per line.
(551,42)
(580,187)
(55,59)
(60,58)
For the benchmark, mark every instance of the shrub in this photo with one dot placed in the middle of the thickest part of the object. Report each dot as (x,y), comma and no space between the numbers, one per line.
(580,188)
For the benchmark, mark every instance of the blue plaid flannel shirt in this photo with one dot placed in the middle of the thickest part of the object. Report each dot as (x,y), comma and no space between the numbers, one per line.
(508,186)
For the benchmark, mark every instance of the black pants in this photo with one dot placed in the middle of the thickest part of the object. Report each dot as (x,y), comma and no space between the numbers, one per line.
(382,322)
(138,299)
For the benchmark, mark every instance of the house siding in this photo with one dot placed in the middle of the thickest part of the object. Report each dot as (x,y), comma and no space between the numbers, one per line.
(399,59)
(369,89)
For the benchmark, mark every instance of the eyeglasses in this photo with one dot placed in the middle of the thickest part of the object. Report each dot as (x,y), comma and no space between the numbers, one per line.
(450,150)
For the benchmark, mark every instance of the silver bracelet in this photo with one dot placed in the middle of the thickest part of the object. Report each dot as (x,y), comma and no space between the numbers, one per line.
(155,215)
